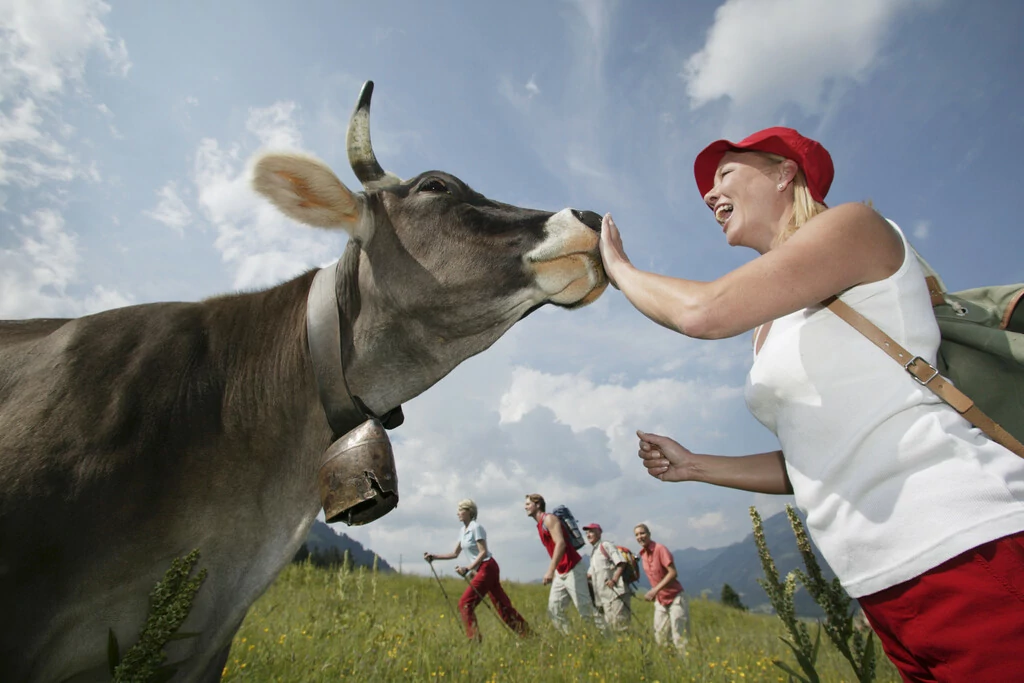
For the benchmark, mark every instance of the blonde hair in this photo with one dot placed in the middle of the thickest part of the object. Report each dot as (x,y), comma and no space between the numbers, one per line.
(467,504)
(804,205)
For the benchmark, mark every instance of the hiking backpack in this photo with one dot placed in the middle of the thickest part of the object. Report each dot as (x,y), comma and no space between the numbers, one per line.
(631,574)
(981,350)
(575,537)
(982,347)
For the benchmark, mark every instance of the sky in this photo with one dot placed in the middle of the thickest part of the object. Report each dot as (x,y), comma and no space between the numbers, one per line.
(127,130)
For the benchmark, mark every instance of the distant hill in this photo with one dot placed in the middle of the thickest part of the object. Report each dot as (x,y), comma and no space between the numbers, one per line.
(739,566)
(324,540)
(688,563)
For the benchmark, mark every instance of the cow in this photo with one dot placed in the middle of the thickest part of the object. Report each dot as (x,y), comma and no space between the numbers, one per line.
(130,437)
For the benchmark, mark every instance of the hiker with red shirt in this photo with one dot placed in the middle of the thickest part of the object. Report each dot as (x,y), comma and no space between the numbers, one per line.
(566,574)
(671,611)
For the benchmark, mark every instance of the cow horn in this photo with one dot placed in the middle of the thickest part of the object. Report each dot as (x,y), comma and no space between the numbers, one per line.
(360,151)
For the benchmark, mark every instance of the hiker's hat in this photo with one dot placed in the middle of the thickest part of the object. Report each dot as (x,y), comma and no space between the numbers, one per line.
(593,526)
(813,159)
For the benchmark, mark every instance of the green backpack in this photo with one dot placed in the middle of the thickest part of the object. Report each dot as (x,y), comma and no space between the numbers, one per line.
(982,347)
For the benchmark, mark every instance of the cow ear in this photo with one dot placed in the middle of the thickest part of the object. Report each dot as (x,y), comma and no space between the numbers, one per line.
(306,190)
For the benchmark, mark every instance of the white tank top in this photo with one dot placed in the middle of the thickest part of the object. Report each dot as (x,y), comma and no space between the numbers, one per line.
(892,480)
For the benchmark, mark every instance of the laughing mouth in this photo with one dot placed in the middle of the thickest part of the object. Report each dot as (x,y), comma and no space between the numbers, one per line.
(722,213)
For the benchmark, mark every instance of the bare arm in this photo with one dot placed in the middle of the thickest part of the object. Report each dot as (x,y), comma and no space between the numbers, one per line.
(845,246)
(430,557)
(620,569)
(667,460)
(670,575)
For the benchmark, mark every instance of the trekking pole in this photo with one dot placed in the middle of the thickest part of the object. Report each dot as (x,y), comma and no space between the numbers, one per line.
(446,598)
(488,606)
(629,608)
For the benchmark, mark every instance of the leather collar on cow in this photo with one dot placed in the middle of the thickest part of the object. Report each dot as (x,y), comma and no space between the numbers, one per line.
(323,329)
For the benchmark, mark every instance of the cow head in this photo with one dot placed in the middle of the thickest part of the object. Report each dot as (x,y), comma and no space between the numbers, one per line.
(446,268)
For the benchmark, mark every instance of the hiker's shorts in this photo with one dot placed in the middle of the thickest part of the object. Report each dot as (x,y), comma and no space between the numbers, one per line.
(961,621)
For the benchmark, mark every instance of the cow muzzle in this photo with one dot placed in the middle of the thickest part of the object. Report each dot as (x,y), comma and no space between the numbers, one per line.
(358,480)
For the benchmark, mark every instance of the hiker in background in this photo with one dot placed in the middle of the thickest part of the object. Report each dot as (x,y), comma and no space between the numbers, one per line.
(607,567)
(565,574)
(485,576)
(914,508)
(671,611)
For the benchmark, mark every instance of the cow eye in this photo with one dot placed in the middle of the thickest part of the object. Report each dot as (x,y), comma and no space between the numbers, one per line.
(433,185)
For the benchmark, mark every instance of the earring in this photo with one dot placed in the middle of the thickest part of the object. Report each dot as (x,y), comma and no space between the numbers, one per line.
(781,186)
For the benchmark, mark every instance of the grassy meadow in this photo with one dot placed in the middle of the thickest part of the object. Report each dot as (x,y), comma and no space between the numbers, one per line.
(318,624)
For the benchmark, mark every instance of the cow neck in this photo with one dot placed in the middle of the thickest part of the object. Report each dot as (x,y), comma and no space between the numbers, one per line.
(324,334)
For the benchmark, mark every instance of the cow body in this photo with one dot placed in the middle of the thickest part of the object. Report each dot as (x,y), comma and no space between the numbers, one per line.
(131,437)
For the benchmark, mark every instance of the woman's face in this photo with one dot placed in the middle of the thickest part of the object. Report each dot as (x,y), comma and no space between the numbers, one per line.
(464,515)
(746,200)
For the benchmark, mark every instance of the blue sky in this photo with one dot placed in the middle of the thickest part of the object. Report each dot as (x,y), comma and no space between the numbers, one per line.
(126,130)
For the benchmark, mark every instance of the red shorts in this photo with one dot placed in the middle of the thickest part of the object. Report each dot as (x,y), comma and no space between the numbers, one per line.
(961,621)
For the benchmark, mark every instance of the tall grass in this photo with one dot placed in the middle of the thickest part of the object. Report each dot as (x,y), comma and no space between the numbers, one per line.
(331,624)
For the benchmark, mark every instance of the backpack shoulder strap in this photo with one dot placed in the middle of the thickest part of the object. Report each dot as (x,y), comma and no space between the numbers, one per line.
(926,375)
(935,290)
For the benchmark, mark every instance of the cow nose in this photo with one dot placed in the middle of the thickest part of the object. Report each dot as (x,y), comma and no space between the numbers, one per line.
(589,219)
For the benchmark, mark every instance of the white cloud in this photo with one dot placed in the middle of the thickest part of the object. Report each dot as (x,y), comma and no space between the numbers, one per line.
(37,278)
(714,521)
(171,210)
(764,53)
(44,46)
(264,247)
(46,43)
(29,154)
(922,229)
(567,128)
(581,404)
(518,97)
(494,432)
(532,87)
(275,126)
(52,250)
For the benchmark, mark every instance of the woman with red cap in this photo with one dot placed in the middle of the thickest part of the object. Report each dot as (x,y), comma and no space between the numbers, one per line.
(918,513)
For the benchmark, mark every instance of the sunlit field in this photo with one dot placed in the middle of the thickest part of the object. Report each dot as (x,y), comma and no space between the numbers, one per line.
(327,625)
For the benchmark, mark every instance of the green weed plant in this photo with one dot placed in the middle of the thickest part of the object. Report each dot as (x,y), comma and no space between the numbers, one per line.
(316,624)
(854,644)
(170,601)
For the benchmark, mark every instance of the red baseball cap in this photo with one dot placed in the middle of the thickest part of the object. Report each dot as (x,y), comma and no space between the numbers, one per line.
(594,526)
(813,159)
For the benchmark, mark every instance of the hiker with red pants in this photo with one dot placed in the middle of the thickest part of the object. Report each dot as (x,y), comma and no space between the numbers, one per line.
(916,510)
(485,576)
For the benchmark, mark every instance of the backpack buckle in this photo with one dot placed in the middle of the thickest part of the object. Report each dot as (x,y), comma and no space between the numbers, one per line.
(909,367)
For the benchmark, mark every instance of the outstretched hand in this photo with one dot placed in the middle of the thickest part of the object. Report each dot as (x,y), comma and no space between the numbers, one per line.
(665,459)
(613,255)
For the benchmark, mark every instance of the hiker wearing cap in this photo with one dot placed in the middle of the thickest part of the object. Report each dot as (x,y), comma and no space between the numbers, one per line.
(565,574)
(671,608)
(917,512)
(484,572)
(607,566)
